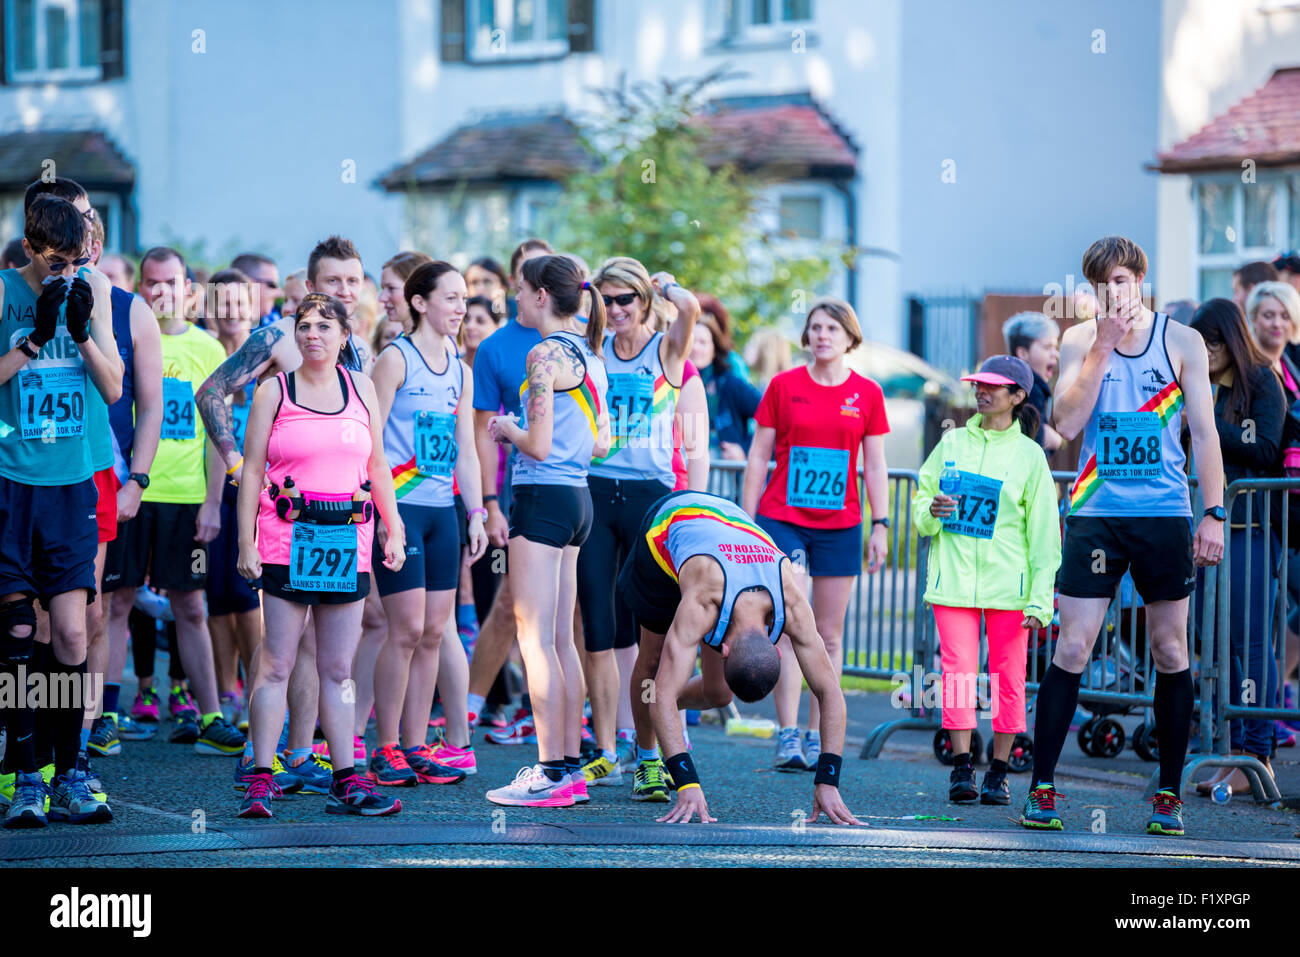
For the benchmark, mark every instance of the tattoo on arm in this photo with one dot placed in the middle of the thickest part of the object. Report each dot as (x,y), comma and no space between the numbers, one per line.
(541,378)
(237,372)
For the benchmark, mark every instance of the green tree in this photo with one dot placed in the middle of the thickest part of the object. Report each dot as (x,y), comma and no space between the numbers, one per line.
(653,194)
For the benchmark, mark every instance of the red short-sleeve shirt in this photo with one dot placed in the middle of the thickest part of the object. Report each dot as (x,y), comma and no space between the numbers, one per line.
(819,431)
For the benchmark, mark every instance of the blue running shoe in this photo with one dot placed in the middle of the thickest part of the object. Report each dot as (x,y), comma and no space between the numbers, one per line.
(74,802)
(1040,810)
(1166,814)
(286,781)
(103,736)
(313,776)
(129,729)
(28,803)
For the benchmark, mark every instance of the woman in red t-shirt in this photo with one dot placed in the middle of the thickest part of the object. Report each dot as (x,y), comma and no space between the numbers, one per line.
(817,418)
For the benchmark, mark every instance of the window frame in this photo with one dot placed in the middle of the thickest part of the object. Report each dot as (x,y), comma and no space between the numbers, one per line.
(776,29)
(43,73)
(535,49)
(1287,183)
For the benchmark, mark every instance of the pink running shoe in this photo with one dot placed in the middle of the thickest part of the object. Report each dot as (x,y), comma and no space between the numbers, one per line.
(532,788)
(522,731)
(145,707)
(322,750)
(462,759)
(578,780)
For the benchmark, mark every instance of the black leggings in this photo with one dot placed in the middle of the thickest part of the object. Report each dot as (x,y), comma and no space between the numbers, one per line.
(619,507)
(144,641)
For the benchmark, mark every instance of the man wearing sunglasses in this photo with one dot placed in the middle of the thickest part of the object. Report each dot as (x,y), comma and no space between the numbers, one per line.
(58,343)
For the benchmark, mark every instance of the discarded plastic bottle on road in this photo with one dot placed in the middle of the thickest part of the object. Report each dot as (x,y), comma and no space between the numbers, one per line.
(1222,793)
(751,727)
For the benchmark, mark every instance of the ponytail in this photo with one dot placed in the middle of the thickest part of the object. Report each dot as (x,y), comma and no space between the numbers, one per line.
(1028,416)
(595,321)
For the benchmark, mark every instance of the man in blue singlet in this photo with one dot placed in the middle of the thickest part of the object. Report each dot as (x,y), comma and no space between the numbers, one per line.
(701,571)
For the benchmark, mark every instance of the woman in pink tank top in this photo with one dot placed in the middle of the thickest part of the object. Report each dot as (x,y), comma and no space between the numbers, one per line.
(307,536)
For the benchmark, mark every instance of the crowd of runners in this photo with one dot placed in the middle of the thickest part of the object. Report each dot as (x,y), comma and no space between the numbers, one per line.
(336,517)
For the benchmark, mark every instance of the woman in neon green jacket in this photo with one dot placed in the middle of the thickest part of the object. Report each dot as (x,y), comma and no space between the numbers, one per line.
(996,549)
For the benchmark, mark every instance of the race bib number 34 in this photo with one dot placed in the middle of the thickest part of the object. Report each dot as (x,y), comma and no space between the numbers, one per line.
(178,409)
(323,557)
(977,506)
(817,478)
(435,443)
(52,402)
(1128,446)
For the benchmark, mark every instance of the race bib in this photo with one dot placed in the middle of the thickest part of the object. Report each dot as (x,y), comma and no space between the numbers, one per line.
(1128,446)
(977,506)
(323,557)
(435,443)
(178,409)
(817,478)
(631,402)
(52,402)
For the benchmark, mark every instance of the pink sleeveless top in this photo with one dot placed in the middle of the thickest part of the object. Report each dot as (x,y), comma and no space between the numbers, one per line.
(325,453)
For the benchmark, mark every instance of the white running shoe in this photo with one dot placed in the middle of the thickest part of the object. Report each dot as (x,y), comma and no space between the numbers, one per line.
(532,788)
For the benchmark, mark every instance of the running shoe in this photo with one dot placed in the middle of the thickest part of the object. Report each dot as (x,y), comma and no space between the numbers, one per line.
(356,794)
(74,802)
(578,784)
(322,750)
(185,728)
(219,737)
(28,801)
(461,759)
(961,786)
(812,749)
(1040,809)
(789,752)
(230,708)
(532,788)
(494,719)
(625,750)
(103,736)
(261,790)
(1289,702)
(427,771)
(145,707)
(648,782)
(995,789)
(314,775)
(92,779)
(129,729)
(389,767)
(283,779)
(9,783)
(1166,814)
(180,700)
(436,718)
(521,731)
(1285,736)
(602,771)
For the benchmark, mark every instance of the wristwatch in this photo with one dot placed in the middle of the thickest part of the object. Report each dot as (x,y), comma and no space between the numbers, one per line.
(1217,513)
(880,521)
(25,346)
(140,478)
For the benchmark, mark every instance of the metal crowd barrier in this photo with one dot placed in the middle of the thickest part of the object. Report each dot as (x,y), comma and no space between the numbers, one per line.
(1216,653)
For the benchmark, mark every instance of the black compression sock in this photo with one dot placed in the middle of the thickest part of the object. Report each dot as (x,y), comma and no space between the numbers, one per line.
(67,684)
(1173,713)
(998,767)
(43,717)
(20,726)
(1058,696)
(961,760)
(554,770)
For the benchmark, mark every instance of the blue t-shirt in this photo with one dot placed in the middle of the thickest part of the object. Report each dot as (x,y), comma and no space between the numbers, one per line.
(500,366)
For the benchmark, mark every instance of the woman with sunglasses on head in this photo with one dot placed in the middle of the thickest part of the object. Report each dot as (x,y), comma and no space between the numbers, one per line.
(819,419)
(315,434)
(1250,414)
(645,370)
(565,426)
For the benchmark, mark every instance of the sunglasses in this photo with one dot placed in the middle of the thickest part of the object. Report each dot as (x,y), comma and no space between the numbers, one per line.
(57,265)
(624,300)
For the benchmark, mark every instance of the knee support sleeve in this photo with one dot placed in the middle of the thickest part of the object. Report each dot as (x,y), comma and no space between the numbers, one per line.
(15,647)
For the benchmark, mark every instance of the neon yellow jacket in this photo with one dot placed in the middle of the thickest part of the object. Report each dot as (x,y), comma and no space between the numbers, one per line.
(1016,567)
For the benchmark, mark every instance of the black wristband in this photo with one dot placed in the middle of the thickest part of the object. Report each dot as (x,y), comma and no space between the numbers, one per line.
(828,769)
(489,498)
(682,768)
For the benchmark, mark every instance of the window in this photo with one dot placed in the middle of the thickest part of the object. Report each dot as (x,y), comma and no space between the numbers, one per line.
(518,28)
(1242,222)
(799,217)
(779,11)
(54,39)
(762,21)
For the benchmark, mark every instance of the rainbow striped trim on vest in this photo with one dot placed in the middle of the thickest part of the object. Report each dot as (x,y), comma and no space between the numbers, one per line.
(1164,404)
(585,396)
(657,536)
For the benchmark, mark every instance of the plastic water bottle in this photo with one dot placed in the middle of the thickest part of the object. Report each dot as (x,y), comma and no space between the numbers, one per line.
(751,727)
(950,479)
(1222,793)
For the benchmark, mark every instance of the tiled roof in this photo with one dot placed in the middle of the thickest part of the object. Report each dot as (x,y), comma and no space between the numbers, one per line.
(538,147)
(785,135)
(87,156)
(1264,127)
(779,135)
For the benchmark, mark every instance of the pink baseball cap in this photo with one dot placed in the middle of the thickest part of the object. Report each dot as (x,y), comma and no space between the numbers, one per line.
(1004,370)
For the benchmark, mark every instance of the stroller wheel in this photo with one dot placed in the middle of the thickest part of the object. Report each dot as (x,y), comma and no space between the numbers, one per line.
(1145,743)
(943,746)
(1022,754)
(1085,736)
(1108,738)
